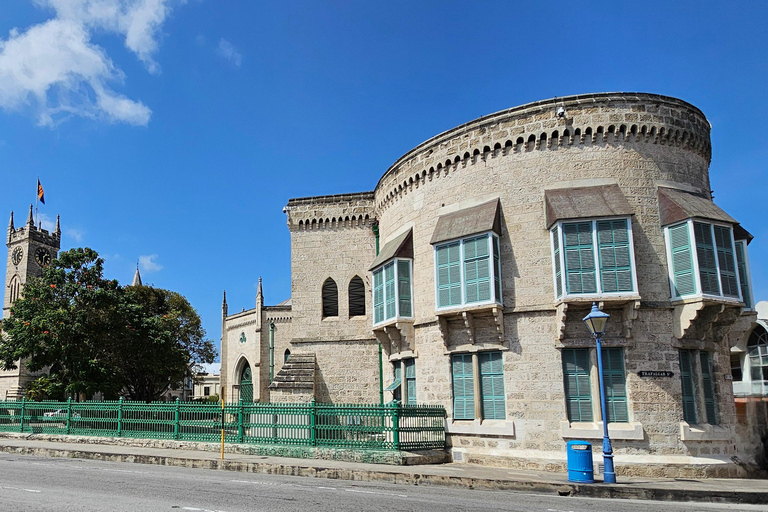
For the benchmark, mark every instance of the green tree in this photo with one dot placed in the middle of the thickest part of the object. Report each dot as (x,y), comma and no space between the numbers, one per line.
(67,318)
(100,336)
(164,342)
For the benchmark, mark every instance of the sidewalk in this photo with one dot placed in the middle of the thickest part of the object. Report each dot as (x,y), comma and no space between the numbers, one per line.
(455,475)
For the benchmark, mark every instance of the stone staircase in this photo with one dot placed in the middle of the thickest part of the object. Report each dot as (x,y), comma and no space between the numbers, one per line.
(15,393)
(297,375)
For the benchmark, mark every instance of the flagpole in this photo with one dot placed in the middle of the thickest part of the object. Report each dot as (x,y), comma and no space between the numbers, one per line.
(37,196)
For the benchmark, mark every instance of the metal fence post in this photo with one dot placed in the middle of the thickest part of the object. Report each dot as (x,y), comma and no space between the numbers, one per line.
(21,424)
(176,422)
(120,417)
(313,423)
(396,426)
(240,423)
(69,414)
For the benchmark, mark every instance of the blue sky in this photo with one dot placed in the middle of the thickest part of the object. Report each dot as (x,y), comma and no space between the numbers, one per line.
(173,133)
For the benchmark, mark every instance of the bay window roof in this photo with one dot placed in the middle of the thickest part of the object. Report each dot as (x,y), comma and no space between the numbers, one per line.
(676,205)
(585,202)
(469,221)
(400,246)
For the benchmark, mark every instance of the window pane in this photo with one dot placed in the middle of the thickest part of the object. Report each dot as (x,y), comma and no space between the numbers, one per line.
(477,272)
(410,381)
(705,252)
(389,290)
(463,387)
(492,385)
(726,260)
(404,288)
(448,275)
(615,258)
(686,378)
(614,380)
(682,260)
(577,386)
(741,264)
(579,258)
(378,295)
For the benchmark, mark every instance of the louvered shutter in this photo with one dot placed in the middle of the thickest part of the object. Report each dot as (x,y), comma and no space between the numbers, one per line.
(741,264)
(397,393)
(492,385)
(463,387)
(404,288)
(389,290)
(705,252)
(615,256)
(410,381)
(477,270)
(378,295)
(579,258)
(496,269)
(615,383)
(578,395)
(686,378)
(726,261)
(708,387)
(558,269)
(449,275)
(682,260)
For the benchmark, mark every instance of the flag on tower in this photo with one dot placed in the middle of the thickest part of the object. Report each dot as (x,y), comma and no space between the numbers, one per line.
(40,193)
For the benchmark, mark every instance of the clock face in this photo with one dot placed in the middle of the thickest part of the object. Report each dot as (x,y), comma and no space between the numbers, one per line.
(16,256)
(42,257)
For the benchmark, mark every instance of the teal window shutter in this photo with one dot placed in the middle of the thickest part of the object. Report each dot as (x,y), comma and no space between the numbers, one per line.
(492,385)
(558,269)
(686,378)
(477,270)
(497,269)
(410,381)
(615,382)
(741,264)
(615,258)
(463,387)
(726,261)
(378,295)
(578,393)
(705,252)
(682,260)
(449,275)
(579,258)
(389,291)
(404,288)
(708,387)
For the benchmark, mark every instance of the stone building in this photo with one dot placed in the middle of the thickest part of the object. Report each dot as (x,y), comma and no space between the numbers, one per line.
(468,270)
(30,248)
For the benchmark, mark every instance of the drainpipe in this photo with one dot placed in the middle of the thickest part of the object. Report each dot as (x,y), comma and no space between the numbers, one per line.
(375,228)
(271,352)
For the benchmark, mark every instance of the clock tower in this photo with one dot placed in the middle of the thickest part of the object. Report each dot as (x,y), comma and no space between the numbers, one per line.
(30,248)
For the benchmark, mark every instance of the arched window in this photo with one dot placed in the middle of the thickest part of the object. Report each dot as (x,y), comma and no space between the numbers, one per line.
(356,297)
(330,298)
(757,348)
(286,355)
(246,384)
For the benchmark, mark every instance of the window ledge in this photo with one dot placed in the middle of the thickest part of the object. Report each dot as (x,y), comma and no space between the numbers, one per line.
(632,431)
(704,432)
(467,314)
(613,299)
(504,428)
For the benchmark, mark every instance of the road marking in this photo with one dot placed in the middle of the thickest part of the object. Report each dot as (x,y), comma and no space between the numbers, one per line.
(200,509)
(315,487)
(18,489)
(376,492)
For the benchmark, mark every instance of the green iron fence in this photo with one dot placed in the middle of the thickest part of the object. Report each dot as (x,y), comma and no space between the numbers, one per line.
(364,426)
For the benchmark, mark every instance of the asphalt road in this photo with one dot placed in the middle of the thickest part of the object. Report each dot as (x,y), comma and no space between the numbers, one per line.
(33,484)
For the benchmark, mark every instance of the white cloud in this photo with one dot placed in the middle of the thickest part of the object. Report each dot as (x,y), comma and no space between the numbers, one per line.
(75,234)
(228,52)
(46,222)
(148,263)
(55,69)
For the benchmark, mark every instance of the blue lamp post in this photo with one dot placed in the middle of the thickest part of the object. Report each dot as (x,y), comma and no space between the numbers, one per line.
(595,322)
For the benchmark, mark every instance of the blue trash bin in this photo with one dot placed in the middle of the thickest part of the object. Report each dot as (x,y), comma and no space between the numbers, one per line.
(580,468)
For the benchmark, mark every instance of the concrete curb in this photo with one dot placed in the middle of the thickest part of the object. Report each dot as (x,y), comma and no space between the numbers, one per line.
(395,476)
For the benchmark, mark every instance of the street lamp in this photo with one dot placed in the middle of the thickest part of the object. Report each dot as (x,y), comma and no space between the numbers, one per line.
(595,322)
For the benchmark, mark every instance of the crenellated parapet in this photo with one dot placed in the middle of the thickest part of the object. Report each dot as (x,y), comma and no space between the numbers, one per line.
(330,212)
(627,120)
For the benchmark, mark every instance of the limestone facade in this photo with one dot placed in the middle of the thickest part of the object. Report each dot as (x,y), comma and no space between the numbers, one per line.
(628,147)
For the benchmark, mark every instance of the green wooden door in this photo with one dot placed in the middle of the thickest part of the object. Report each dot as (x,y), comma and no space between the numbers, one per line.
(246,385)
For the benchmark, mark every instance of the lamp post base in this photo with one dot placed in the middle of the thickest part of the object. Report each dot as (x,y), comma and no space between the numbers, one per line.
(609,477)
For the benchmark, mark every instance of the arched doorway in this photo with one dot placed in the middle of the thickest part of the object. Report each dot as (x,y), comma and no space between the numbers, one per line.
(246,384)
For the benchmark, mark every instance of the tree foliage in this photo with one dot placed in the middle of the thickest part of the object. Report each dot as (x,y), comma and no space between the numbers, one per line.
(99,336)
